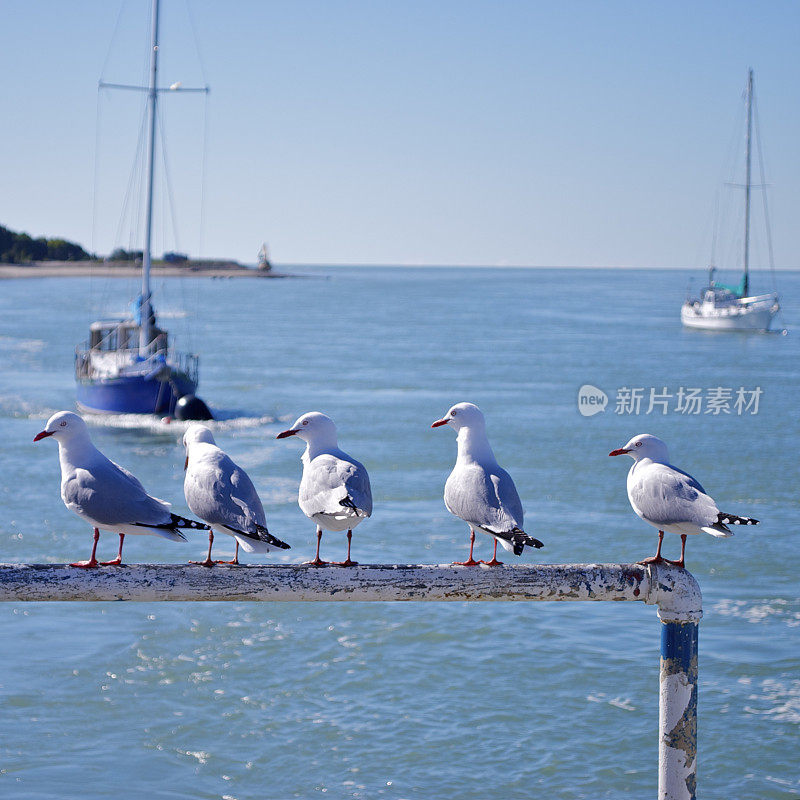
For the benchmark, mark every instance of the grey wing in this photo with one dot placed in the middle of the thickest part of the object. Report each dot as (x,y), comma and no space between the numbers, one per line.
(356,482)
(690,479)
(245,496)
(508,497)
(129,475)
(221,493)
(329,480)
(109,494)
(487,499)
(667,496)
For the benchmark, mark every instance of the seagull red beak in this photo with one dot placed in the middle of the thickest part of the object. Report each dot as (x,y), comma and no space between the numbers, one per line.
(41,435)
(284,434)
(620,452)
(440,422)
(186,464)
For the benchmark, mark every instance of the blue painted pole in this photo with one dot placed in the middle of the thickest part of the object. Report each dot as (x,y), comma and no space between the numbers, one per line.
(677,749)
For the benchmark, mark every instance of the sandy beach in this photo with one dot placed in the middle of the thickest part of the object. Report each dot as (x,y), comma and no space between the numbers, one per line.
(124,269)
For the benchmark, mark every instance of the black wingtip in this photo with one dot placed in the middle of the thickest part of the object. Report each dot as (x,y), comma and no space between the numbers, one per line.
(174,523)
(265,536)
(348,503)
(520,540)
(182,522)
(732,519)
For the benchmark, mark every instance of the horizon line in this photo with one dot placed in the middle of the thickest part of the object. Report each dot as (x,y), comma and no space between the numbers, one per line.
(418,265)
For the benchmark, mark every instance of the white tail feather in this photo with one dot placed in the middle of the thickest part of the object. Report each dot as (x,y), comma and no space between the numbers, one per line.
(719,534)
(505,544)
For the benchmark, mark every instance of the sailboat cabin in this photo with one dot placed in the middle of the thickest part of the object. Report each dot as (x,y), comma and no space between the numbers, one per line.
(123,334)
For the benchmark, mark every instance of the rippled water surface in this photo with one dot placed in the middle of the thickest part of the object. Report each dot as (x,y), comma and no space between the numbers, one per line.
(416,700)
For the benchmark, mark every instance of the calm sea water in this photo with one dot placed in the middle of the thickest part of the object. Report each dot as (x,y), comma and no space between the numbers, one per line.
(414,700)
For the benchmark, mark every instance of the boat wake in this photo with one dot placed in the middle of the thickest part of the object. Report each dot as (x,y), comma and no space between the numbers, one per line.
(223,421)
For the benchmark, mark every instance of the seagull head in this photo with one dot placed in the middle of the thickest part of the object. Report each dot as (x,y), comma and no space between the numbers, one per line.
(197,433)
(313,426)
(644,446)
(64,426)
(462,415)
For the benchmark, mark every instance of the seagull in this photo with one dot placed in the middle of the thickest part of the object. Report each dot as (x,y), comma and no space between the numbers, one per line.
(334,490)
(479,490)
(669,498)
(106,495)
(220,492)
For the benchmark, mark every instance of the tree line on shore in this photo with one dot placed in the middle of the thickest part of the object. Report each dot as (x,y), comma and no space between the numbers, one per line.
(20,248)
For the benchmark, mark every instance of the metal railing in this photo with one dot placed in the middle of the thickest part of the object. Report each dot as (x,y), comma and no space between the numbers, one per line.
(674,591)
(187,363)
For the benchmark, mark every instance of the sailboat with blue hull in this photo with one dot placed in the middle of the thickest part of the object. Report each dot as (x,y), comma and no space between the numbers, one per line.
(115,376)
(128,366)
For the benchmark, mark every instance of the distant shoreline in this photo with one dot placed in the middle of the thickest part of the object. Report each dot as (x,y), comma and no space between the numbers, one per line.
(232,269)
(127,269)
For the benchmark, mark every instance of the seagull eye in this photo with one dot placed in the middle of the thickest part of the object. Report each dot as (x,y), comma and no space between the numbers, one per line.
(638,444)
(63,424)
(305,422)
(453,413)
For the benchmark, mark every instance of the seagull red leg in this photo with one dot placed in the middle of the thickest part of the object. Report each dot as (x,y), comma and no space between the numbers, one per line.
(494,562)
(235,557)
(470,562)
(208,562)
(657,558)
(347,562)
(679,563)
(317,562)
(118,560)
(92,562)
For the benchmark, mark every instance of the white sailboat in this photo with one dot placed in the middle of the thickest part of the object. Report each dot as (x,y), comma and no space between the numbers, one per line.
(733,308)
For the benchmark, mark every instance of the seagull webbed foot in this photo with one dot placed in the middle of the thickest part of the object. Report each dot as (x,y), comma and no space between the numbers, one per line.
(654,560)
(90,564)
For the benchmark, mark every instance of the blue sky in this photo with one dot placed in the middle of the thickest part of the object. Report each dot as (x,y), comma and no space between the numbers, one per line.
(524,133)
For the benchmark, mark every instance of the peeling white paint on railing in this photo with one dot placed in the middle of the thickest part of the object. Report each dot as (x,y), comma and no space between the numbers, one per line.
(370,582)
(674,591)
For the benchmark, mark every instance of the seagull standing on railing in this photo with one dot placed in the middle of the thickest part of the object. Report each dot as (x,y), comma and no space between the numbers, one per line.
(669,498)
(479,490)
(221,493)
(106,495)
(334,490)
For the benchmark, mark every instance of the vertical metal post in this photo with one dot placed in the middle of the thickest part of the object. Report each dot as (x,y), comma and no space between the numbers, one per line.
(145,330)
(680,609)
(677,712)
(747,183)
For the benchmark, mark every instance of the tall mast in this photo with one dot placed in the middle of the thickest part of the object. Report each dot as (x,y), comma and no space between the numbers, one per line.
(747,184)
(145,331)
